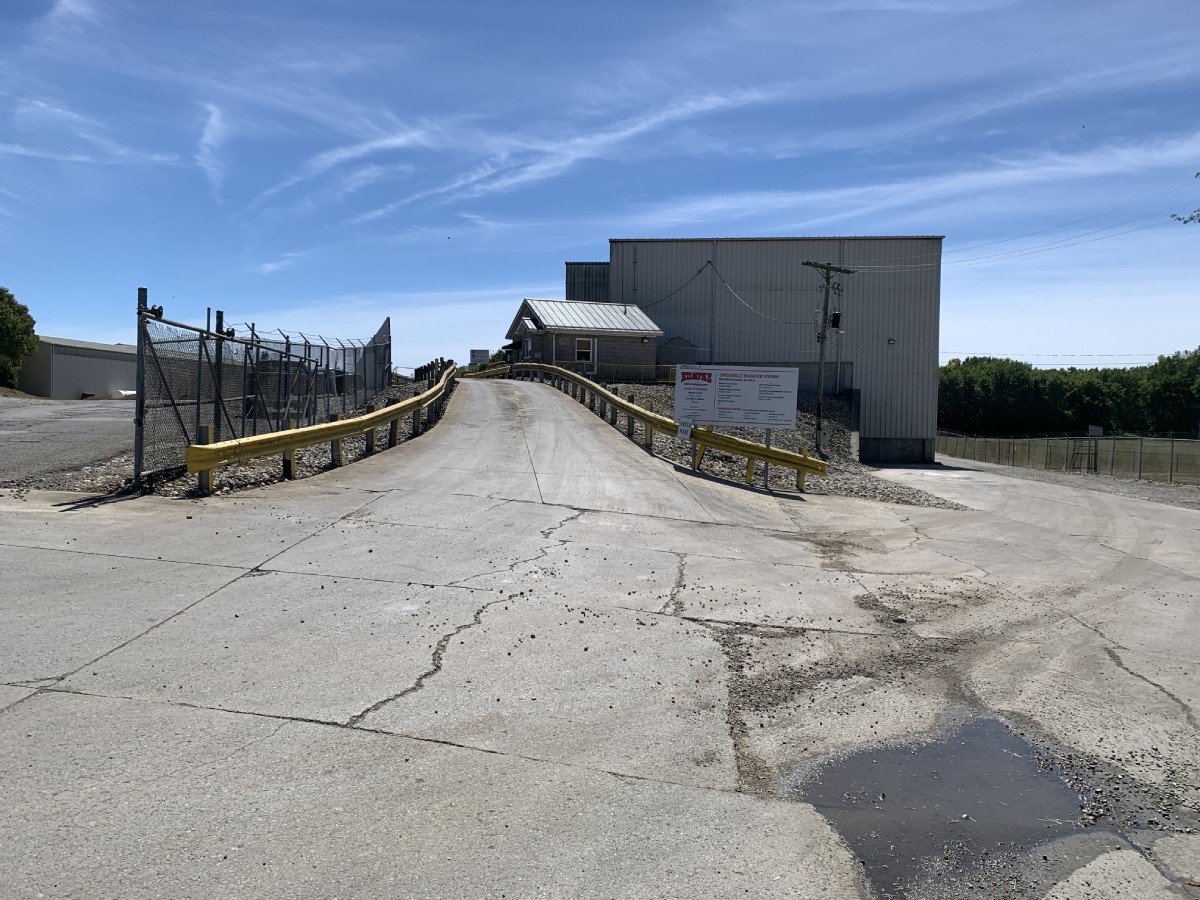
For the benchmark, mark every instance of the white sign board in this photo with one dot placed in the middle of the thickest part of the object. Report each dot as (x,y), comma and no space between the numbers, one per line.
(480,357)
(745,396)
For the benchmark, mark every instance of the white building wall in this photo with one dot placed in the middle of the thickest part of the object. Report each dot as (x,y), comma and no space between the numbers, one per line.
(757,304)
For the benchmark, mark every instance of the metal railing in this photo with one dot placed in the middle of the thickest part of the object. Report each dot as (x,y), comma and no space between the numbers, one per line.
(1173,460)
(240,383)
(622,373)
(206,456)
(608,405)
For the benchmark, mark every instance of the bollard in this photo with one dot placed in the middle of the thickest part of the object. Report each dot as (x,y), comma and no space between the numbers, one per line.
(393,427)
(289,457)
(335,446)
(370,435)
(204,478)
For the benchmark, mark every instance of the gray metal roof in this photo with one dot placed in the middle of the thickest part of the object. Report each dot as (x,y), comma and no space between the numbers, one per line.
(587,316)
(815,237)
(87,345)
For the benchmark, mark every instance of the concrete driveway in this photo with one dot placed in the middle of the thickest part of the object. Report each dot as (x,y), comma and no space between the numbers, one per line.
(519,657)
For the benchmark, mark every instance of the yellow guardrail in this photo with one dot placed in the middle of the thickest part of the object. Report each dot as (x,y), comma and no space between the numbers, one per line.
(704,438)
(202,459)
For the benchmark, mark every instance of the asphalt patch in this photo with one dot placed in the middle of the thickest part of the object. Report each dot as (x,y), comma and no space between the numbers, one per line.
(946,809)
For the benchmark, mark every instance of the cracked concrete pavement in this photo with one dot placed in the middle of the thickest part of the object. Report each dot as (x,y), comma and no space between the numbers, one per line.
(519,657)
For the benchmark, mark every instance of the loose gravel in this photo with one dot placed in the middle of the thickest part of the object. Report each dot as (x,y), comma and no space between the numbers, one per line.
(847,476)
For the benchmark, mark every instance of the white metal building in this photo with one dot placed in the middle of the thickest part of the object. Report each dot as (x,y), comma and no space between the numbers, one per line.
(64,369)
(752,301)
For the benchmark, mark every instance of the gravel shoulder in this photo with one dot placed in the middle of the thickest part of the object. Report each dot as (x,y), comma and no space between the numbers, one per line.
(847,476)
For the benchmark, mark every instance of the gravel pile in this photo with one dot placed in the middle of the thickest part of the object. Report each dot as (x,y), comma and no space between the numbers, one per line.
(847,476)
(115,476)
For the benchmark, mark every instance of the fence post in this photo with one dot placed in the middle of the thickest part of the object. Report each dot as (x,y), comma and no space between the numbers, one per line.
(139,400)
(629,419)
(289,457)
(1141,445)
(200,369)
(335,446)
(204,478)
(1171,462)
(416,422)
(218,381)
(370,432)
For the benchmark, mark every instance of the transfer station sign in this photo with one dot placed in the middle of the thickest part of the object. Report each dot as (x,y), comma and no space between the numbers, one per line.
(746,396)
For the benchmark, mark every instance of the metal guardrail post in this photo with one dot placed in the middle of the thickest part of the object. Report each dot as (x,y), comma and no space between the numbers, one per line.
(289,457)
(204,478)
(629,420)
(393,428)
(335,446)
(370,435)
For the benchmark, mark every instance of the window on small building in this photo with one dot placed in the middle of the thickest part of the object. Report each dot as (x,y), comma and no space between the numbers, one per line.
(528,347)
(583,350)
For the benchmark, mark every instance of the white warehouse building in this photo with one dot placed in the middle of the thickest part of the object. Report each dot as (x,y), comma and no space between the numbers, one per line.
(752,301)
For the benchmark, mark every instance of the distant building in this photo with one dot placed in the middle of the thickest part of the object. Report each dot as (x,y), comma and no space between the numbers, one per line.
(752,301)
(584,336)
(63,369)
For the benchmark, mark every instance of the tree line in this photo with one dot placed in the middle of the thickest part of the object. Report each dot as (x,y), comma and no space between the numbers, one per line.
(983,395)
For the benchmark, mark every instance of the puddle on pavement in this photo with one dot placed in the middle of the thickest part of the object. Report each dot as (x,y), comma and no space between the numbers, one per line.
(950,809)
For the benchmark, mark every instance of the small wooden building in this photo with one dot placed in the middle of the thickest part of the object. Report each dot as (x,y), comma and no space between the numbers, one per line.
(585,336)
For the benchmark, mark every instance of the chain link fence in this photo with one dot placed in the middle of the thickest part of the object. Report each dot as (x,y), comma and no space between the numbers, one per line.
(239,382)
(1174,460)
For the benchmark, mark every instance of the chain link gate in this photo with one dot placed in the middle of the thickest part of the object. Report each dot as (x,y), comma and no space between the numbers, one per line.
(240,383)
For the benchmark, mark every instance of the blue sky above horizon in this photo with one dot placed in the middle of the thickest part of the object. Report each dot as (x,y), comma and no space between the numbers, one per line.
(316,165)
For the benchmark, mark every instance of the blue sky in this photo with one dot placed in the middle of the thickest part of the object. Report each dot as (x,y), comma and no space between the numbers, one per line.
(317,165)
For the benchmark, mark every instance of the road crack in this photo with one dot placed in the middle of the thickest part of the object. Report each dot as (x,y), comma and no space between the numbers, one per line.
(674,606)
(439,653)
(1187,710)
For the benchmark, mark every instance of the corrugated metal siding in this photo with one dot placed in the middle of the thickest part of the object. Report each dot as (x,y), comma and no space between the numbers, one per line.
(759,305)
(35,375)
(587,281)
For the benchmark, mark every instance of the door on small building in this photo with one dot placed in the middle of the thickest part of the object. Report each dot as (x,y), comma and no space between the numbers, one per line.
(585,353)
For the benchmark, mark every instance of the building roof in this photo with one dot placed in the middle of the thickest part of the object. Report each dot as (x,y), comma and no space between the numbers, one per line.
(584,316)
(829,237)
(87,345)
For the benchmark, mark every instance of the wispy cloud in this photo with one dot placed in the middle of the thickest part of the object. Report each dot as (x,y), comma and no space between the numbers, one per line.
(45,118)
(323,162)
(34,153)
(62,24)
(284,261)
(822,206)
(211,139)
(517,160)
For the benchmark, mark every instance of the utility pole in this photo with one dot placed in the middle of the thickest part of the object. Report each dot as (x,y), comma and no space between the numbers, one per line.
(827,271)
